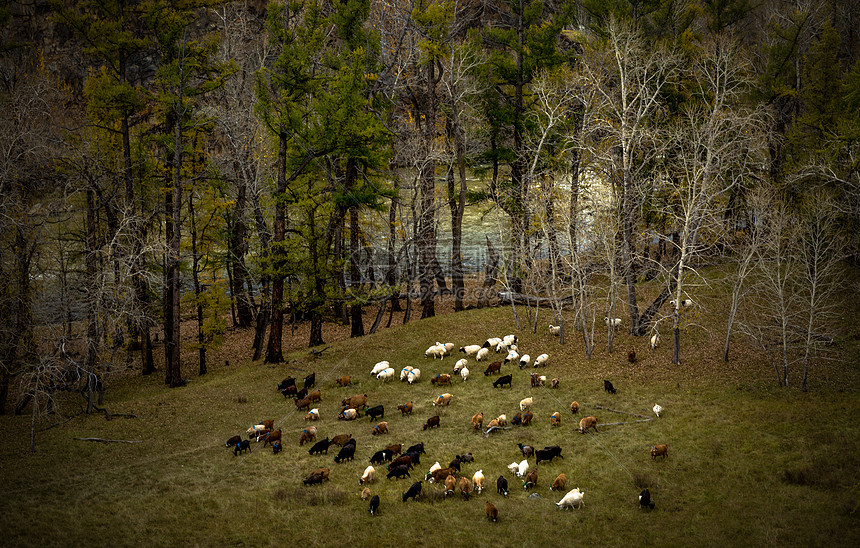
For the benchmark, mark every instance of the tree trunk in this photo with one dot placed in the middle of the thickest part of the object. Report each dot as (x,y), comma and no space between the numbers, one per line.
(427,232)
(195,276)
(356,313)
(274,349)
(93,293)
(174,374)
(238,250)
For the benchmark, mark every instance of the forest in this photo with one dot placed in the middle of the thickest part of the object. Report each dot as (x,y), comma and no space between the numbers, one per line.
(261,164)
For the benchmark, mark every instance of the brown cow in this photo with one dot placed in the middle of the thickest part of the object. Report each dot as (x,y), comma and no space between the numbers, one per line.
(661,450)
(354,401)
(315,396)
(478,421)
(587,422)
(340,439)
(405,408)
(495,367)
(344,381)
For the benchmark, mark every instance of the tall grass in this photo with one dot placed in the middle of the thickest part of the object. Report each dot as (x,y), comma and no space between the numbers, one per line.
(749,464)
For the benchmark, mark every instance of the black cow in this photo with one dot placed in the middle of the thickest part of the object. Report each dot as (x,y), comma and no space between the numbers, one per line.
(608,387)
(548,453)
(310,380)
(374,505)
(502,486)
(313,479)
(415,456)
(347,452)
(379,457)
(413,492)
(400,472)
(417,448)
(289,381)
(241,447)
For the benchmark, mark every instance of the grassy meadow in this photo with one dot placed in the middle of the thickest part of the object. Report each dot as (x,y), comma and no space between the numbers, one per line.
(750,464)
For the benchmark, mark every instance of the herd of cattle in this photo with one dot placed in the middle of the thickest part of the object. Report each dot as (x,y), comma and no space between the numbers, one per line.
(400,462)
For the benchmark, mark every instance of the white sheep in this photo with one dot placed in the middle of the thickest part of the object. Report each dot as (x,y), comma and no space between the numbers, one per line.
(612,323)
(313,415)
(657,408)
(514,468)
(405,372)
(385,374)
(526,403)
(541,360)
(470,349)
(379,367)
(449,347)
(655,340)
(524,360)
(523,468)
(510,339)
(501,346)
(492,342)
(478,481)
(512,356)
(414,376)
(435,351)
(554,330)
(503,419)
(465,373)
(573,499)
(368,476)
(482,354)
(461,363)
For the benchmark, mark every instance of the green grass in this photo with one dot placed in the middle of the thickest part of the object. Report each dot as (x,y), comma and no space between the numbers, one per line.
(750,464)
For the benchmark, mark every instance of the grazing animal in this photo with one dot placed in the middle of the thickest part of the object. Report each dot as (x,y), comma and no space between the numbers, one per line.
(301,394)
(365,493)
(289,381)
(548,453)
(385,374)
(432,422)
(517,420)
(527,418)
(503,419)
(413,376)
(555,419)
(368,476)
(526,403)
(379,367)
(554,383)
(443,399)
(313,479)
(405,372)
(436,466)
(607,386)
(415,456)
(262,434)
(313,415)
(324,472)
(554,330)
(402,460)
(573,499)
(450,483)
(541,360)
(380,428)
(631,355)
(461,363)
(502,486)
(531,480)
(657,408)
(241,447)
(374,412)
(405,408)
(655,340)
(455,464)
(374,505)
(417,448)
(526,450)
(413,492)
(587,422)
(310,380)
(440,379)
(269,424)
(276,448)
(398,472)
(492,342)
(478,480)
(522,468)
(380,457)
(233,441)
(465,485)
(254,431)
(308,434)
(495,367)
(537,380)
(435,351)
(344,381)
(574,407)
(661,450)
(304,403)
(482,354)
(645,500)
(477,421)
(289,391)
(512,356)
(347,452)
(348,414)
(439,475)
(464,373)
(524,360)
(271,437)
(320,447)
(615,322)
(395,448)
(470,349)
(502,381)
(558,483)
(491,511)
(340,439)
(354,401)
(493,424)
